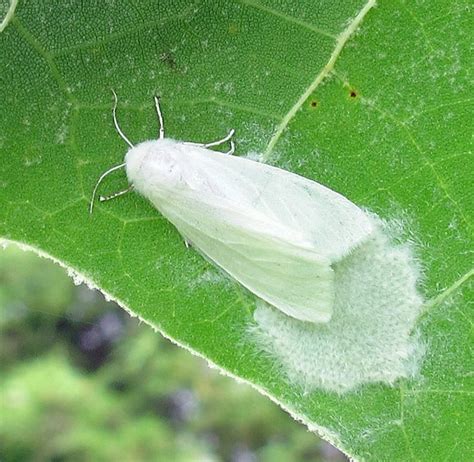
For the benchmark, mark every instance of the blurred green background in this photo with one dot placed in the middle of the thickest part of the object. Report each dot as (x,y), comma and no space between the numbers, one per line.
(82,381)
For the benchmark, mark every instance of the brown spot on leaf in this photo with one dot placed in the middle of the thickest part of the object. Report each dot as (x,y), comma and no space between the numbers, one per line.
(168,58)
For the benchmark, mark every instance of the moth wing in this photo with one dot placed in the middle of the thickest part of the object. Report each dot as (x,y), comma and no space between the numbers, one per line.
(333,224)
(275,232)
(277,267)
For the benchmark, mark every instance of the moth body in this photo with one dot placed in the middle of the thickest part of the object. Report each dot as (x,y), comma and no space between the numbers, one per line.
(275,232)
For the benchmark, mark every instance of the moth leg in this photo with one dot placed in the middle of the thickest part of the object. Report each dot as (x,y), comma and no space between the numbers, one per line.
(117,194)
(160,117)
(214,143)
(110,170)
(221,141)
(187,243)
(232,148)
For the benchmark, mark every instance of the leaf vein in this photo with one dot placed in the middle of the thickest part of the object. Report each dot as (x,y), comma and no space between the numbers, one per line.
(48,58)
(123,33)
(440,298)
(340,43)
(287,18)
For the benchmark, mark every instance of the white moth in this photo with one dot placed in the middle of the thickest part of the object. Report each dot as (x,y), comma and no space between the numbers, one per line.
(273,231)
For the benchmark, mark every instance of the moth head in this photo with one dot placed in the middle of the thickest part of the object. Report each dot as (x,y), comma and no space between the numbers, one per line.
(154,165)
(151,166)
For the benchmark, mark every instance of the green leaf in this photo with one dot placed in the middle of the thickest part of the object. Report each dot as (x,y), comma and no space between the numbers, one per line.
(370,100)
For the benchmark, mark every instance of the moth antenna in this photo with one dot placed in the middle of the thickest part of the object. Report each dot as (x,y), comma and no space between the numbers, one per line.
(110,170)
(160,116)
(117,127)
